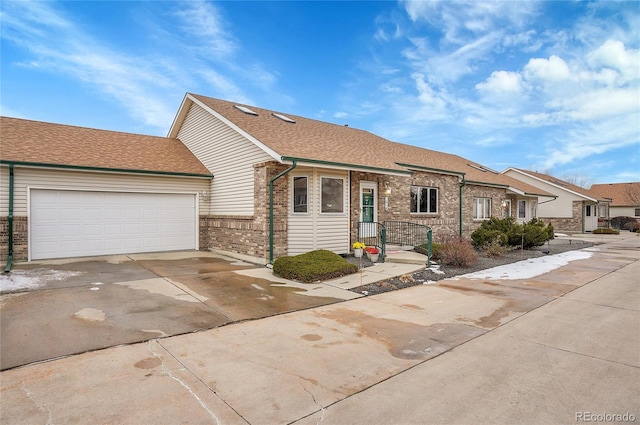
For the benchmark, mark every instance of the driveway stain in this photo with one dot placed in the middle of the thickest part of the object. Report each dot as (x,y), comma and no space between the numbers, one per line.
(405,340)
(148,363)
(192,266)
(90,314)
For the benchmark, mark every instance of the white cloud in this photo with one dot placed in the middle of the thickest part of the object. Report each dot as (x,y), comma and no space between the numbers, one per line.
(552,70)
(501,82)
(613,55)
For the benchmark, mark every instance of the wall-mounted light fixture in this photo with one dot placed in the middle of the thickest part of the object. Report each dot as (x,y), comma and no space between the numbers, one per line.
(387,189)
(204,195)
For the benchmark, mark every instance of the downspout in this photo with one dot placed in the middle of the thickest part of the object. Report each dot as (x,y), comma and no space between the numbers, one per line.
(460,195)
(295,163)
(7,268)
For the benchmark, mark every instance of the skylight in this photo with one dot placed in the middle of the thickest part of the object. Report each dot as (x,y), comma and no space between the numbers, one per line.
(482,168)
(283,117)
(246,110)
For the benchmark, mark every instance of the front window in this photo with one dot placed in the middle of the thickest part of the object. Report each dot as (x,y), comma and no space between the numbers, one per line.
(603,211)
(424,200)
(332,195)
(637,212)
(300,190)
(506,208)
(522,209)
(481,208)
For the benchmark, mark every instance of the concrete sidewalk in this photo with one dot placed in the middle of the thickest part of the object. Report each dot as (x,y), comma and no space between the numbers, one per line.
(463,351)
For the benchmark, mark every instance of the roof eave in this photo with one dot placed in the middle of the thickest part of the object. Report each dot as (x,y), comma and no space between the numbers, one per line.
(103,169)
(344,166)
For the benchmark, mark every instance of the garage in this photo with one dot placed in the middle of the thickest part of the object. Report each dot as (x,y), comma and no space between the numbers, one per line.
(75,223)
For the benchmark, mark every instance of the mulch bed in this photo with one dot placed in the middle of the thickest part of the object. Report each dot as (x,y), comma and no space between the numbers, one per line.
(443,272)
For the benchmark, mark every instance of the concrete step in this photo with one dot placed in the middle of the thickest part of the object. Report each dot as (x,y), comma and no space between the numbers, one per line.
(406,257)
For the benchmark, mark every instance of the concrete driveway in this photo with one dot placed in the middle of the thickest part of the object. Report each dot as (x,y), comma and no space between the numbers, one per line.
(540,350)
(51,309)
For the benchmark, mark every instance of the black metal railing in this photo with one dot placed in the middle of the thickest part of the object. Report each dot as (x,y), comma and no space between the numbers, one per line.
(406,233)
(402,233)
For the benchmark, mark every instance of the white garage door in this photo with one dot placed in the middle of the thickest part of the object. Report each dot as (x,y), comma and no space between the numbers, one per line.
(66,223)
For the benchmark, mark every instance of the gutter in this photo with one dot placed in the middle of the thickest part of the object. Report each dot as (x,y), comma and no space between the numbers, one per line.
(462,183)
(114,170)
(7,268)
(271,184)
(349,167)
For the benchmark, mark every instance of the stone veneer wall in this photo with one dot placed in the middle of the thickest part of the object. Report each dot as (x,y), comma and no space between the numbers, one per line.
(20,238)
(571,224)
(249,235)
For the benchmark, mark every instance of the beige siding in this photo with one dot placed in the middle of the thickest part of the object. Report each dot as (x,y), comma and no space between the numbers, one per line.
(562,207)
(230,158)
(315,230)
(46,178)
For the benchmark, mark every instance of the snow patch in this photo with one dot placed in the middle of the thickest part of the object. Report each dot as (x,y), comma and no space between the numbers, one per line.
(530,268)
(435,268)
(32,279)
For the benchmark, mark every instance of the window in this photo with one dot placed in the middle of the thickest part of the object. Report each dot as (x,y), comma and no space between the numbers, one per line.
(637,212)
(424,200)
(602,211)
(481,208)
(506,208)
(332,195)
(300,190)
(522,209)
(587,210)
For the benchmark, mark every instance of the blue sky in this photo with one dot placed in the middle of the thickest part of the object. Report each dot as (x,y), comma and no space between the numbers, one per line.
(548,86)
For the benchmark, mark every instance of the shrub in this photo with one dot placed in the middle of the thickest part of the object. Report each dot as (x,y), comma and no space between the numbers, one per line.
(494,249)
(509,233)
(459,253)
(313,266)
(424,250)
(536,233)
(625,223)
(497,228)
(605,231)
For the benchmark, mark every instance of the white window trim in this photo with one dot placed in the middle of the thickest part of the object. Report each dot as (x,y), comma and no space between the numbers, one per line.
(478,208)
(344,189)
(437,211)
(293,191)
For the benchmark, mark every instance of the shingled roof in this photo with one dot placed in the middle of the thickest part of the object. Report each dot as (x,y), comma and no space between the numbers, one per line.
(564,185)
(41,143)
(293,136)
(621,194)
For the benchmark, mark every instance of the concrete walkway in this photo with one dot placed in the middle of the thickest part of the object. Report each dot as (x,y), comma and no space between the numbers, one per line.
(537,350)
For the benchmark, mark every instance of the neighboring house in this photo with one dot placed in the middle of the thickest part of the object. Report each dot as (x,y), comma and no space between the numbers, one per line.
(625,198)
(72,191)
(243,180)
(574,210)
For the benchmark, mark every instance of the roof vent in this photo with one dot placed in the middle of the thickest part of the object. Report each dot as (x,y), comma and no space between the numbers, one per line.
(283,117)
(246,110)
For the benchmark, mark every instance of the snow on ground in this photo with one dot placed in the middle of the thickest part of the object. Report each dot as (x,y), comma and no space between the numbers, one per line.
(31,279)
(529,268)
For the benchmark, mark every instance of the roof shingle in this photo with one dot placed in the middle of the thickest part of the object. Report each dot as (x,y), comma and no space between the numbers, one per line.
(322,141)
(622,194)
(57,144)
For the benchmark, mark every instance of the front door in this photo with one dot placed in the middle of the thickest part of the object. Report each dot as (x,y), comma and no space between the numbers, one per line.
(590,218)
(368,209)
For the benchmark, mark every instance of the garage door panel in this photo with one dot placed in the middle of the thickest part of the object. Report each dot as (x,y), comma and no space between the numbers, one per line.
(76,223)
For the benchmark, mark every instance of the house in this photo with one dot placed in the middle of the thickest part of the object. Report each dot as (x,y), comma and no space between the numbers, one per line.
(246,181)
(625,198)
(573,210)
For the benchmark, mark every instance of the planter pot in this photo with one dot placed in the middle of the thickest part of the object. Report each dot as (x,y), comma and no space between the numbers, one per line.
(373,257)
(369,255)
(357,252)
